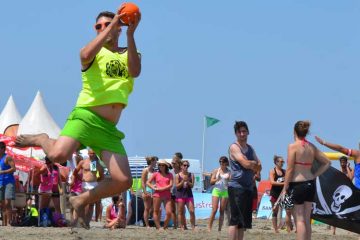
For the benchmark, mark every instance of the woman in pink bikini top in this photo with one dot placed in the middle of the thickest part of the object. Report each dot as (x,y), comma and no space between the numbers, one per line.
(49,178)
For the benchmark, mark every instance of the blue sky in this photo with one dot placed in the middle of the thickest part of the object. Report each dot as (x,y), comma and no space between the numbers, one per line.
(269,63)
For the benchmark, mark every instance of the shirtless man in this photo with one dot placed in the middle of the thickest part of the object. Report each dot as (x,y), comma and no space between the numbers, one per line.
(89,167)
(108,75)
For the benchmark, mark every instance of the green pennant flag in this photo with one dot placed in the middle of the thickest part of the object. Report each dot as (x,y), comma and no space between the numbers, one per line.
(211,121)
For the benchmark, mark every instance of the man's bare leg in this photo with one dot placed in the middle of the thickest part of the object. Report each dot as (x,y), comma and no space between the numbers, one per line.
(89,211)
(98,211)
(120,181)
(58,150)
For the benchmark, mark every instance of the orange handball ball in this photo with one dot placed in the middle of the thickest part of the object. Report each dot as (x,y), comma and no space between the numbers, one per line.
(130,10)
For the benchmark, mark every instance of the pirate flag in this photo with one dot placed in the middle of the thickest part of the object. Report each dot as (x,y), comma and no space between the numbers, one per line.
(337,201)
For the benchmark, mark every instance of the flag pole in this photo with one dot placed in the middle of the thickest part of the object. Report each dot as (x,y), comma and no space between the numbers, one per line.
(203,148)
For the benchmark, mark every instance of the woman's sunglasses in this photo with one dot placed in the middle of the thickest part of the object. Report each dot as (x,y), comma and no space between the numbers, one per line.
(100,26)
(185,165)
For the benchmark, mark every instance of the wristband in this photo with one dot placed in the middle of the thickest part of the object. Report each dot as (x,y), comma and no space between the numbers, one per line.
(349,152)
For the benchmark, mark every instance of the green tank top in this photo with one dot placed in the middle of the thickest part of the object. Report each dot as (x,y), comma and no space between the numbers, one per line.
(106,81)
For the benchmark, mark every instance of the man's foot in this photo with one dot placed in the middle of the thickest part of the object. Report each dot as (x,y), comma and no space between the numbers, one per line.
(29,140)
(80,211)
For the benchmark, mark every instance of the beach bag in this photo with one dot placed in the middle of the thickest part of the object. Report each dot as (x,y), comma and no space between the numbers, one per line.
(59,220)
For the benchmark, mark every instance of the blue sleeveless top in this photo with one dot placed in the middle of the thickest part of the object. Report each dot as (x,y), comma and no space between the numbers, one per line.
(8,177)
(357,175)
(240,176)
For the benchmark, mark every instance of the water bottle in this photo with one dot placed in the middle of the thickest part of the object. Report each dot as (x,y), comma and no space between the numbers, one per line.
(45,222)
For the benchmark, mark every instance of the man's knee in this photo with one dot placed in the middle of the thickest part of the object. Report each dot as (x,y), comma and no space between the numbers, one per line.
(124,182)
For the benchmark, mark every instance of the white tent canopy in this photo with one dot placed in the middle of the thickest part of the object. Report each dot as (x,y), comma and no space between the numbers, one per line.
(38,120)
(9,116)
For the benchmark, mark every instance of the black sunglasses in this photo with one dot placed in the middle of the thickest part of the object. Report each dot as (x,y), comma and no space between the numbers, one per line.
(99,26)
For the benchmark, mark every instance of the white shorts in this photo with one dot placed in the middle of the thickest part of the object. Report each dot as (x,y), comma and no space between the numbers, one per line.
(86,186)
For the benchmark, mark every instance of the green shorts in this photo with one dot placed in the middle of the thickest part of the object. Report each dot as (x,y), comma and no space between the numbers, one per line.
(220,194)
(93,131)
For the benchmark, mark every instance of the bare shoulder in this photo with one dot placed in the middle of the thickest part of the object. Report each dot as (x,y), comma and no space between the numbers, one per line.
(234,148)
(312,145)
(8,159)
(86,161)
(292,146)
(43,168)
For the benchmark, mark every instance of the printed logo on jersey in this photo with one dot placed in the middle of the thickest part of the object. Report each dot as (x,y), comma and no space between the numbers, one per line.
(115,68)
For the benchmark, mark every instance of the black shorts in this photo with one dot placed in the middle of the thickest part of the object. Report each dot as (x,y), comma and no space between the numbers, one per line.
(240,201)
(55,194)
(302,191)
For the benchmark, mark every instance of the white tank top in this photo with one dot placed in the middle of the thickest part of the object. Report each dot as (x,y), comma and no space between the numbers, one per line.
(223,180)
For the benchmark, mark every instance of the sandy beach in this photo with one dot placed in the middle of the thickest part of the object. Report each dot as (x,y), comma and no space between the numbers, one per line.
(261,230)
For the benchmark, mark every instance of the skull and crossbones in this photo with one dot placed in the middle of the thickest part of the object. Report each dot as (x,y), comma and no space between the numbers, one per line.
(342,193)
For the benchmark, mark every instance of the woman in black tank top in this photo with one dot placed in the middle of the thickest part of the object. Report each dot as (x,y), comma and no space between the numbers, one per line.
(277,178)
(184,197)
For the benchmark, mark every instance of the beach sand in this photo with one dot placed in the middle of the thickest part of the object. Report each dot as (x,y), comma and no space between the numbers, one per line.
(261,230)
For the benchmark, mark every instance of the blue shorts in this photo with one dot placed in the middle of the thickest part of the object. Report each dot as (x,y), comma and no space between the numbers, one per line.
(7,192)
